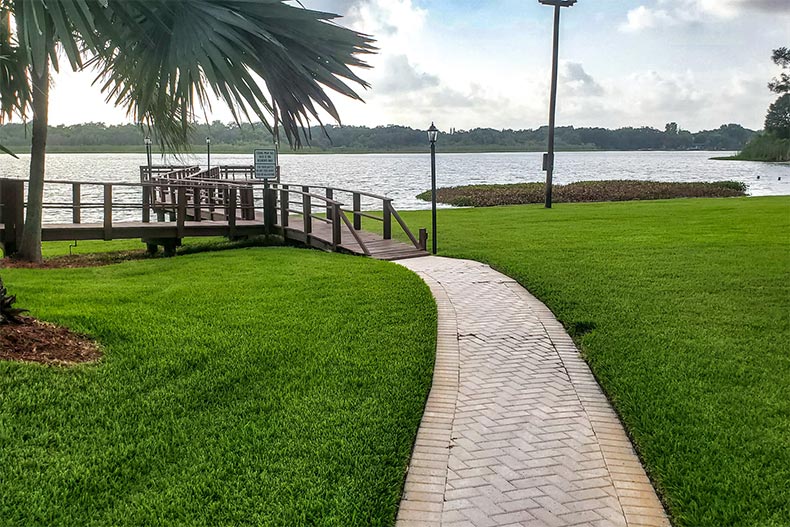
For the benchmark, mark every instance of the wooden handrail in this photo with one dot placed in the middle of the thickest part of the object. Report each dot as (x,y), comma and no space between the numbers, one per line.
(405,228)
(188,195)
(354,233)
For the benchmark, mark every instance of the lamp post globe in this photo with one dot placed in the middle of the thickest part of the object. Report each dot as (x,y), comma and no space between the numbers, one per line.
(433,134)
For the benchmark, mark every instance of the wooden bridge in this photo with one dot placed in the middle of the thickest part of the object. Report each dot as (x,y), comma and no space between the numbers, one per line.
(171,203)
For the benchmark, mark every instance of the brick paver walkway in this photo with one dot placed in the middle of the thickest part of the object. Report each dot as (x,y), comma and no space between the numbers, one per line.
(516,430)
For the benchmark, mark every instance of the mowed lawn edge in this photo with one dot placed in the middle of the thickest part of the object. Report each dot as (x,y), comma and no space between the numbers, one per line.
(267,386)
(682,309)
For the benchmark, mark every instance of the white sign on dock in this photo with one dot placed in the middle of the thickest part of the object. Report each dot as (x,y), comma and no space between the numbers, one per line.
(265,163)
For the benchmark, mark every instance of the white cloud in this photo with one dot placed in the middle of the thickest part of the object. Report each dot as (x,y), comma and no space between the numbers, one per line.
(579,82)
(644,17)
(399,75)
(429,67)
(680,12)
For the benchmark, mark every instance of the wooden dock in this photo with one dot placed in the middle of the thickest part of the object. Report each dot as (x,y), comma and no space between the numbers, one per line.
(171,203)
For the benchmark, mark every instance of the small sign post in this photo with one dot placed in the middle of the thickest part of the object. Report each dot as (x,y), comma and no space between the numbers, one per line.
(265,163)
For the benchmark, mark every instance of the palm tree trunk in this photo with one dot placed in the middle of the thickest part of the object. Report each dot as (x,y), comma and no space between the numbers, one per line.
(31,237)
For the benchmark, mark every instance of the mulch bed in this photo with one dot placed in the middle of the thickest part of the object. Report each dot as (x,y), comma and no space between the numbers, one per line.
(77,260)
(36,341)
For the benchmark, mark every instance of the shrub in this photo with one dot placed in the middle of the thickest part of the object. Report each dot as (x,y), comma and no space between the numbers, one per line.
(582,191)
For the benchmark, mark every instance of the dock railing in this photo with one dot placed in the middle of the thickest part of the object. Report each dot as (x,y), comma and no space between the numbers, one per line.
(182,196)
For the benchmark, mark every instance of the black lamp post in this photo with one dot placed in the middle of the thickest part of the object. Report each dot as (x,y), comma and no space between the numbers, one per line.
(148,154)
(433,135)
(208,153)
(548,159)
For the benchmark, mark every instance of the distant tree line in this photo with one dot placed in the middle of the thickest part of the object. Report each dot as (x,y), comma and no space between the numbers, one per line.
(231,137)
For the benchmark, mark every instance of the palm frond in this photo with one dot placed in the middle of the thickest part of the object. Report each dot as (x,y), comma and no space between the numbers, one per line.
(162,60)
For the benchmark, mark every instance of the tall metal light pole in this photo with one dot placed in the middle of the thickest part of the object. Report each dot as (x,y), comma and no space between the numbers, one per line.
(208,153)
(548,159)
(433,135)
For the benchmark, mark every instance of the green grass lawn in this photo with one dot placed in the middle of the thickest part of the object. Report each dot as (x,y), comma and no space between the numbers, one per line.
(264,386)
(689,306)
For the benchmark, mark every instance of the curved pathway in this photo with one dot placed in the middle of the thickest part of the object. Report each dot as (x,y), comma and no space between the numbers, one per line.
(516,430)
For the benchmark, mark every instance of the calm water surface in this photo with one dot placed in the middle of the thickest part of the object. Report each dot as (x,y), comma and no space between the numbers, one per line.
(403,176)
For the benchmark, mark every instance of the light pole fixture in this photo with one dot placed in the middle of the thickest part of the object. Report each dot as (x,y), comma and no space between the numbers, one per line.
(433,135)
(148,143)
(548,159)
(208,153)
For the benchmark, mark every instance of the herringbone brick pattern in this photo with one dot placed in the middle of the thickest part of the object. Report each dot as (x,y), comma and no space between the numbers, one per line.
(516,430)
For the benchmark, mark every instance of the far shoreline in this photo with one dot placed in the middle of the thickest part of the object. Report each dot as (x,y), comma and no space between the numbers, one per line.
(309,151)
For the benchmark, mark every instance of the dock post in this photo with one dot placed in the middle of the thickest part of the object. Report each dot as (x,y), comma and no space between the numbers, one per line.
(269,208)
(337,234)
(12,195)
(210,193)
(146,204)
(284,205)
(196,202)
(357,210)
(387,212)
(329,208)
(247,203)
(307,217)
(230,208)
(181,211)
(424,239)
(108,211)
(75,203)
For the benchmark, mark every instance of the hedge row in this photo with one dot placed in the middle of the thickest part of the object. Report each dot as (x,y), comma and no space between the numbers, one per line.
(582,191)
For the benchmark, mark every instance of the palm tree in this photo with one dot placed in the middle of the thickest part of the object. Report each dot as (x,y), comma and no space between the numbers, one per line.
(162,60)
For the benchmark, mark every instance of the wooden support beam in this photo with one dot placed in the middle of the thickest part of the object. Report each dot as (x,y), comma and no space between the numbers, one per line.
(230,211)
(108,211)
(247,203)
(337,233)
(147,192)
(284,205)
(329,208)
(196,198)
(357,208)
(307,213)
(210,193)
(387,219)
(12,196)
(181,211)
(269,208)
(75,203)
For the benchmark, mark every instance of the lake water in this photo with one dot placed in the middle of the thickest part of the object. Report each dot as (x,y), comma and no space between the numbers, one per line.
(403,176)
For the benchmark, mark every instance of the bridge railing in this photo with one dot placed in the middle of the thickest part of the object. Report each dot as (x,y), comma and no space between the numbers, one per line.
(107,206)
(388,211)
(147,173)
(188,194)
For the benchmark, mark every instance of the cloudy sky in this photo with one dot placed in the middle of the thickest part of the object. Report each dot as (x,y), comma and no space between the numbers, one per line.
(486,63)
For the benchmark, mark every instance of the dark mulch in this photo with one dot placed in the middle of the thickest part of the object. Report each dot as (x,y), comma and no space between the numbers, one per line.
(77,260)
(36,341)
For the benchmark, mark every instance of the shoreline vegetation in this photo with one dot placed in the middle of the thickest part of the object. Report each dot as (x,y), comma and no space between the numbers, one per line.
(764,148)
(229,139)
(581,192)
